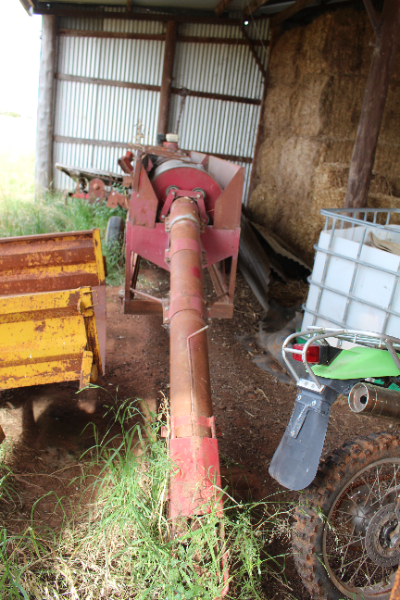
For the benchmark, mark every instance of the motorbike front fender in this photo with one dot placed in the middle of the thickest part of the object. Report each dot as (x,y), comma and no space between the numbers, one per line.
(295,462)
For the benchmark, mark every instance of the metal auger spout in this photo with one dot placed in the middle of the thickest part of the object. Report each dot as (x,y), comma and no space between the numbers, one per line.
(184,216)
(193,443)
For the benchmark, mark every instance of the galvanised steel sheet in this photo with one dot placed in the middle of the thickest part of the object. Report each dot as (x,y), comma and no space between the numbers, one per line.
(89,111)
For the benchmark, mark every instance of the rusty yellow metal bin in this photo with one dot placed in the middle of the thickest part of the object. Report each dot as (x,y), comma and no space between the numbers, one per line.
(47,338)
(53,262)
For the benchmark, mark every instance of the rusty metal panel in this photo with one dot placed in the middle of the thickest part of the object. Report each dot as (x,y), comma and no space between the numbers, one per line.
(47,338)
(53,262)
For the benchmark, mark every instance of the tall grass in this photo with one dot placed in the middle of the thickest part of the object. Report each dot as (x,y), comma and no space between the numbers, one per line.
(118,543)
(51,214)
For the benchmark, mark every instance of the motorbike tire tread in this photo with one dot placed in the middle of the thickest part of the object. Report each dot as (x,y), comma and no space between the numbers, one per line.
(317,498)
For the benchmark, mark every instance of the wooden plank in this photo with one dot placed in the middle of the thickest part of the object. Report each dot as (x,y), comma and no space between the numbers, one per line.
(253,51)
(142,307)
(223,97)
(45,121)
(260,130)
(110,34)
(382,64)
(191,39)
(45,8)
(112,82)
(63,139)
(218,282)
(259,140)
(254,263)
(166,81)
(373,17)
(223,5)
(233,157)
(253,6)
(185,39)
(289,12)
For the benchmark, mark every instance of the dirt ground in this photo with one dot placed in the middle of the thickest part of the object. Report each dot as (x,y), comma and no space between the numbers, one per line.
(251,407)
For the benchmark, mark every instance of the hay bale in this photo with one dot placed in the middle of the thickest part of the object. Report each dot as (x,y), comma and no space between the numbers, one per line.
(318,75)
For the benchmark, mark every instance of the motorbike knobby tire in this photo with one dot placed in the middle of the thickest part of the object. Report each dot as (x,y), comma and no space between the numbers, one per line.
(319,502)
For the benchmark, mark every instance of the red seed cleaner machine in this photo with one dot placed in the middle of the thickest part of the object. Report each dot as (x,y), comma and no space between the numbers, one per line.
(184,215)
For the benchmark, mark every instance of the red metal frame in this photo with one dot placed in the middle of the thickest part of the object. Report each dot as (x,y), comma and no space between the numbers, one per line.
(184,219)
(147,233)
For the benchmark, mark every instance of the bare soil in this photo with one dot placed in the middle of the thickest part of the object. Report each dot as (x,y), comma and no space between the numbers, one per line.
(50,425)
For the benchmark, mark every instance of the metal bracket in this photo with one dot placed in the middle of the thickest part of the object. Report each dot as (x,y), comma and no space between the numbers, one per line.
(310,385)
(193,420)
(183,244)
(185,303)
(313,404)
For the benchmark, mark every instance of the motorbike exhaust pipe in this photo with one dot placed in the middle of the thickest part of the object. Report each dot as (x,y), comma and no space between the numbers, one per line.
(367,399)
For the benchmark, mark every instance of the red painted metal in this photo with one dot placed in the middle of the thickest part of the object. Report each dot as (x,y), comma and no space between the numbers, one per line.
(184,215)
(96,190)
(190,179)
(196,483)
(193,446)
(125,162)
(150,244)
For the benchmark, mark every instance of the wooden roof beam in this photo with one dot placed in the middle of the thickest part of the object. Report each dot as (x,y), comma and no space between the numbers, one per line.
(253,6)
(42,8)
(373,17)
(223,5)
(253,51)
(382,65)
(289,12)
(28,5)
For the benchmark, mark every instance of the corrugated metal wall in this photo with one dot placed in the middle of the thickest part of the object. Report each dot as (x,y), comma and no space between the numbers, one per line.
(87,112)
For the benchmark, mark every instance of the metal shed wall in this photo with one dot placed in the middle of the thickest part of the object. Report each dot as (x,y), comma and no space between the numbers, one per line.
(94,120)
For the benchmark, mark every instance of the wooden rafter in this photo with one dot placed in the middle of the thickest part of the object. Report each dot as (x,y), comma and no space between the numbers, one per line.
(187,39)
(373,17)
(223,5)
(28,5)
(382,65)
(42,8)
(253,51)
(253,6)
(290,11)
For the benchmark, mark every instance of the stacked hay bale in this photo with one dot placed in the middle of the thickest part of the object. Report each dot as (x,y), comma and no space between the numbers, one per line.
(318,75)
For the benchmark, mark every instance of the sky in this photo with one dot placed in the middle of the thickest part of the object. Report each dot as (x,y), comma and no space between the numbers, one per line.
(19,59)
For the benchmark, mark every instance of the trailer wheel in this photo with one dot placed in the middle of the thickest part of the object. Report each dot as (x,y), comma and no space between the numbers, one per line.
(115,230)
(345,540)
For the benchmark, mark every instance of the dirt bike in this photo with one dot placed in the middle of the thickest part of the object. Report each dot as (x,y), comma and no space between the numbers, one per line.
(346,535)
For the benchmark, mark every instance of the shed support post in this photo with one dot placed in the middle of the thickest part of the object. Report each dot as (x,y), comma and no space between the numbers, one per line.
(166,83)
(260,129)
(45,115)
(382,64)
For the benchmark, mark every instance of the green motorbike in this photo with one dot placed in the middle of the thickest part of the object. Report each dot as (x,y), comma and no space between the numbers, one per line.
(346,535)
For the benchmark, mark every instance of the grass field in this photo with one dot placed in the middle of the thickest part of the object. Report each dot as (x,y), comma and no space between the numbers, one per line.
(117,543)
(23,214)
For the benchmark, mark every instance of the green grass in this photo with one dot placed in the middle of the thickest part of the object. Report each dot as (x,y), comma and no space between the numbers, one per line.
(22,214)
(118,543)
